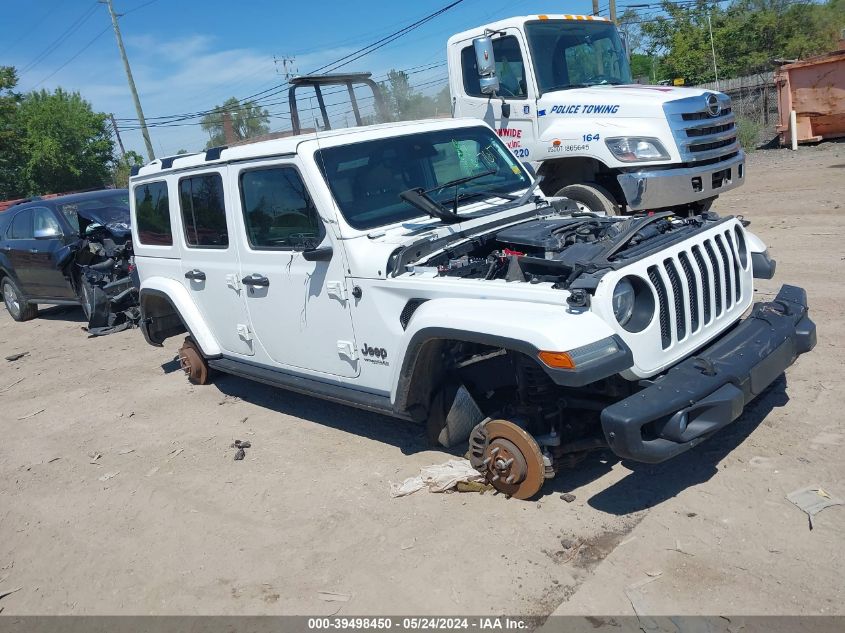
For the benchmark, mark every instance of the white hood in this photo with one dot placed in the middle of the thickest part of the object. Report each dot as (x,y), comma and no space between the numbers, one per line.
(629,101)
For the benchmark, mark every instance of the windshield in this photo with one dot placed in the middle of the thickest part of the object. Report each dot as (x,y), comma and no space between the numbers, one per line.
(367,178)
(101,209)
(577,54)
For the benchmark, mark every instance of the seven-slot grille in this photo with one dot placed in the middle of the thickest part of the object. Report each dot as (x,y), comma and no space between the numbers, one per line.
(696,286)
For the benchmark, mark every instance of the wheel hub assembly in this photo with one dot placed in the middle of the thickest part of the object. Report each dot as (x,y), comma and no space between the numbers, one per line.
(508,457)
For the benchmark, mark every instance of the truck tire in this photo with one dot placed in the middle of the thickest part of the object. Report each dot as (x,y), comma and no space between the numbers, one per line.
(593,197)
(16,303)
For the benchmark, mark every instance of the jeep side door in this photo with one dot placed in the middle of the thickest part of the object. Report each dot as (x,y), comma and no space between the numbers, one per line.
(210,259)
(295,286)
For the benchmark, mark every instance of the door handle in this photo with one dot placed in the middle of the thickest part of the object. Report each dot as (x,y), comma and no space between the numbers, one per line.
(34,251)
(7,248)
(256,280)
(195,275)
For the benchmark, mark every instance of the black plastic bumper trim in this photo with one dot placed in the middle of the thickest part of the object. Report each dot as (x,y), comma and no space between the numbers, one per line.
(763,266)
(706,392)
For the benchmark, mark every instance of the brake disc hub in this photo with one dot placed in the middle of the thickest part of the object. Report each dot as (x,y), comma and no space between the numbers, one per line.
(508,457)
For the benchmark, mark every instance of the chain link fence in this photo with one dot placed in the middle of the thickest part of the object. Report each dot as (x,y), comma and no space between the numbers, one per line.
(754,100)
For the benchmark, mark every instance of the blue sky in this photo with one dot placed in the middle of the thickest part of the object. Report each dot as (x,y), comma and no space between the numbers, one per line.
(189,55)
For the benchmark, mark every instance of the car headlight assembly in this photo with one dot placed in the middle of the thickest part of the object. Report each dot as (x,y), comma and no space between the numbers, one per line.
(632,149)
(623,301)
(633,303)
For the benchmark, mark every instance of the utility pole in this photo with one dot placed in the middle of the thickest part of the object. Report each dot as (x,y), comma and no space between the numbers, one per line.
(613,11)
(595,7)
(117,134)
(141,120)
(713,49)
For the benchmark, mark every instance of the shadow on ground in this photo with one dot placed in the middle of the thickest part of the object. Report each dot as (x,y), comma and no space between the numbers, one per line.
(651,484)
(72,314)
(645,486)
(406,436)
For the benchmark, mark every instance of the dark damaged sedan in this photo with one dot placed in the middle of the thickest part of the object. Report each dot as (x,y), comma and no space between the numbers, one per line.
(69,250)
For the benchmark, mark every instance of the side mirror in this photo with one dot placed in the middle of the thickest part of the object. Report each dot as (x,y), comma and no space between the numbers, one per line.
(49,233)
(486,62)
(323,254)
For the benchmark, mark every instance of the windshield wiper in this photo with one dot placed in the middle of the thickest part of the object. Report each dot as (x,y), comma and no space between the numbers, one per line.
(419,198)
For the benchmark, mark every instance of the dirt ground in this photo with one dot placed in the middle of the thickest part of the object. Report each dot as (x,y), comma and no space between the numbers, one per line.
(119,494)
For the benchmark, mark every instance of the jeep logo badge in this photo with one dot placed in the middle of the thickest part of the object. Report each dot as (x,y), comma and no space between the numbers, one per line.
(714,108)
(377,352)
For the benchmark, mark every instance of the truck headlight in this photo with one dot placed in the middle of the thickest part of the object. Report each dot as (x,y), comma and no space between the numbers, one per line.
(623,301)
(631,149)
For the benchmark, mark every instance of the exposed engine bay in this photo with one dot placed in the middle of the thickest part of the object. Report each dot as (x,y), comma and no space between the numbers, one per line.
(566,251)
(99,266)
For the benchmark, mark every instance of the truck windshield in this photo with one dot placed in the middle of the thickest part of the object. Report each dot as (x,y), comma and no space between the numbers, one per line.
(366,178)
(571,54)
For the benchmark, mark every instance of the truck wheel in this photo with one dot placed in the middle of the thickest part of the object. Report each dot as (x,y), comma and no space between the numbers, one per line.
(193,363)
(508,457)
(590,197)
(16,303)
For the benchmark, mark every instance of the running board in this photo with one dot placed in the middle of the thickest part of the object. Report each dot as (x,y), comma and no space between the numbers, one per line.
(307,386)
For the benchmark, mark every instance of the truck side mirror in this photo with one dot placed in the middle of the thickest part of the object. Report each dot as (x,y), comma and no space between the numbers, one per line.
(486,63)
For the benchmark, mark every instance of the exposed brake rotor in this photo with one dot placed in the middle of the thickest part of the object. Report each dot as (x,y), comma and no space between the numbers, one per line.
(508,457)
(193,364)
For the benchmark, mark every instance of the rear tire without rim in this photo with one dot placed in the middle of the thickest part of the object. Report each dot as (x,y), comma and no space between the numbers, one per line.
(16,303)
(193,363)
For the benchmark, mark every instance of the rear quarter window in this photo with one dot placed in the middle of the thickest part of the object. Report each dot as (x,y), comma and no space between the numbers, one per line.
(152,214)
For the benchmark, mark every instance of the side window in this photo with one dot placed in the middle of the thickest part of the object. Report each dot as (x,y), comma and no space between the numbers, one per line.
(204,211)
(21,226)
(278,212)
(44,220)
(510,69)
(152,214)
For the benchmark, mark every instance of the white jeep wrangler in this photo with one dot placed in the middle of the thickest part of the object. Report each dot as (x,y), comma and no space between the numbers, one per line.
(412,269)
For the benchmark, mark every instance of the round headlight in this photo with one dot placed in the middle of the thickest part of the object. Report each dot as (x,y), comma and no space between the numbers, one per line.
(623,301)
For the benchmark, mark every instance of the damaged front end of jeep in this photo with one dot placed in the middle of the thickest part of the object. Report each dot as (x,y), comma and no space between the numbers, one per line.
(674,361)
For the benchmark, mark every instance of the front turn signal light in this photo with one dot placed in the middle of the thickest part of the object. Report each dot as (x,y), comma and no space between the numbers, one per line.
(557,360)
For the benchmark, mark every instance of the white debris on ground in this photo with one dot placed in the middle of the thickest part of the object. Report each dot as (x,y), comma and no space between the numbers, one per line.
(438,478)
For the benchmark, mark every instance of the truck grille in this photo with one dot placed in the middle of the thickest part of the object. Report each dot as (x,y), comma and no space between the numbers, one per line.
(700,136)
(682,285)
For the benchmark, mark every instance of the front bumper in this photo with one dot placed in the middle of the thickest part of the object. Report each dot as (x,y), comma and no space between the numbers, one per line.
(650,189)
(706,392)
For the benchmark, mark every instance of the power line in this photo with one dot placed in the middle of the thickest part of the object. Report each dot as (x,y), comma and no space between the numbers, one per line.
(77,54)
(30,30)
(329,67)
(61,39)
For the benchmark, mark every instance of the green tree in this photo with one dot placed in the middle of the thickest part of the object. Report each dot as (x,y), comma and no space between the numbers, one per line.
(11,139)
(403,101)
(248,120)
(66,145)
(747,35)
(123,168)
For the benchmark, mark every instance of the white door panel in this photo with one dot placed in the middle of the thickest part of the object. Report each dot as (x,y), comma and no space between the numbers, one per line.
(298,309)
(210,260)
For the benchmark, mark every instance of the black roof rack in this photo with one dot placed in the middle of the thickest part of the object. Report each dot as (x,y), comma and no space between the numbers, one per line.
(133,171)
(214,152)
(167,163)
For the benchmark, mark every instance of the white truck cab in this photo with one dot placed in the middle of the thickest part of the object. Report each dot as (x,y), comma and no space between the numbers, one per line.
(415,270)
(558,90)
